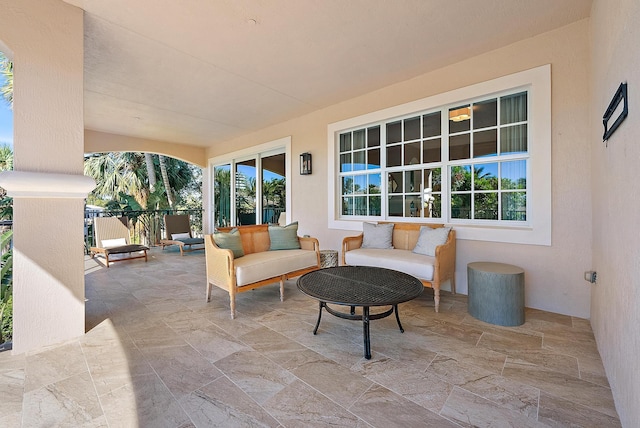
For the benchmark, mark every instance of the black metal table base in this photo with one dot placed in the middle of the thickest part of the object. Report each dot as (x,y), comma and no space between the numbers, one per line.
(365,317)
(360,286)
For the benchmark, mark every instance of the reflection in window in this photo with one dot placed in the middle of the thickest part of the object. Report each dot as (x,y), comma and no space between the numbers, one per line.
(487,193)
(483,194)
(360,152)
(415,193)
(274,196)
(222,195)
(361,195)
(481,145)
(257,187)
(246,192)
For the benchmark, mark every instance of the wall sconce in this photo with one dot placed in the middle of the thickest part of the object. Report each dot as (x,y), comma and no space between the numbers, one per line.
(616,113)
(305,164)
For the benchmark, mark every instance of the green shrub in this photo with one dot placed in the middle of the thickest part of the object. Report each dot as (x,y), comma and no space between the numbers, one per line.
(6,329)
(6,287)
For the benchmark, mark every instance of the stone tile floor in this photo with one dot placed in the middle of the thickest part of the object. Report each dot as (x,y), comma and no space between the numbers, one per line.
(156,355)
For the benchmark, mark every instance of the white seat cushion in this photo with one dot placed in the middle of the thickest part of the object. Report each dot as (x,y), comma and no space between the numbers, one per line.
(268,264)
(406,261)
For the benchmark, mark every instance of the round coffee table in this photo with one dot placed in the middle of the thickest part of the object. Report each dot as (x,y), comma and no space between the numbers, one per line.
(360,286)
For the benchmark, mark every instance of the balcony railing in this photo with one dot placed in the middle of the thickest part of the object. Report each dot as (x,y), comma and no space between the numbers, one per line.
(145,227)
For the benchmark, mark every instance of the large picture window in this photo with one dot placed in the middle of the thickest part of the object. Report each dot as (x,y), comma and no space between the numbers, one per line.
(484,147)
(468,159)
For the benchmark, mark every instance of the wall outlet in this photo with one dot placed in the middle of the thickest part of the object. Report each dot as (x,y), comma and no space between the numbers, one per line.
(590,276)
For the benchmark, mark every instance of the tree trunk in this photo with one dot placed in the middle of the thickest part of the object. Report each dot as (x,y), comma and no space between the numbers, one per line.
(151,171)
(151,174)
(165,180)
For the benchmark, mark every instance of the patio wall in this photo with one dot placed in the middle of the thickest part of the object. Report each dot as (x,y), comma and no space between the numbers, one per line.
(554,274)
(615,317)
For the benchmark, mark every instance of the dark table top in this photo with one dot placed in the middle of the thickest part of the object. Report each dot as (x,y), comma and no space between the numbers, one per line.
(360,286)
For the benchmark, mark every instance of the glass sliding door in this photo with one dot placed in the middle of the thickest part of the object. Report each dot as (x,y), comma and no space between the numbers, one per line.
(246,174)
(273,181)
(222,195)
(250,190)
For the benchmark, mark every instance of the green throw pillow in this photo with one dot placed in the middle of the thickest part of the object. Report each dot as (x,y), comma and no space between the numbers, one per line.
(284,238)
(230,241)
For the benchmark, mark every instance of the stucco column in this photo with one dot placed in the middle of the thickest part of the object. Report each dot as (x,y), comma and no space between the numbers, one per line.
(44,38)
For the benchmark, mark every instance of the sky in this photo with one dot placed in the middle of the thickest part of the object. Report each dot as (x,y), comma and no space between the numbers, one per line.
(6,121)
(6,124)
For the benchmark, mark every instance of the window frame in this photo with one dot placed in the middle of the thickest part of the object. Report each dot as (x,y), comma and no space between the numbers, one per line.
(282,145)
(537,228)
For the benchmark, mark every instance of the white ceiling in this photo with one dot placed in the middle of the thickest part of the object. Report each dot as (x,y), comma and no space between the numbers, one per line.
(201,72)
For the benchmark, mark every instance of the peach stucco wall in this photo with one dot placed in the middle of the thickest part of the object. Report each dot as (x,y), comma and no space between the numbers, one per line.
(615,306)
(554,274)
(45,40)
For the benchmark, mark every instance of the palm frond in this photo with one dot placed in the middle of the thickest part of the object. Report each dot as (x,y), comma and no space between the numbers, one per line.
(6,71)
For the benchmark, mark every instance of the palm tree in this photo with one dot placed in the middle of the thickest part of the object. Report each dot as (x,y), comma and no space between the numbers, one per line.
(269,201)
(279,190)
(269,192)
(6,158)
(6,212)
(151,171)
(222,198)
(6,164)
(165,180)
(6,70)
(117,173)
(129,173)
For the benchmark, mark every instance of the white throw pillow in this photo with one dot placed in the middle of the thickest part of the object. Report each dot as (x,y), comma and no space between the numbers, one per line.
(430,238)
(110,243)
(178,236)
(377,235)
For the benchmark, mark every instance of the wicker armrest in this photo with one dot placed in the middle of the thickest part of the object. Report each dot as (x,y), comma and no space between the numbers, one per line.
(219,264)
(351,243)
(445,265)
(308,243)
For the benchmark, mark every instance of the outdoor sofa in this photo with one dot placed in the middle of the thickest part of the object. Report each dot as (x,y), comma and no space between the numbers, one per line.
(426,251)
(247,257)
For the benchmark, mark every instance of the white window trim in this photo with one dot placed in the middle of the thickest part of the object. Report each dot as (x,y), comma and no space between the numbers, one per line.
(538,82)
(281,144)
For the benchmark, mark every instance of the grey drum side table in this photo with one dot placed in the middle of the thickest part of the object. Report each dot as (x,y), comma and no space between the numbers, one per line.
(496,293)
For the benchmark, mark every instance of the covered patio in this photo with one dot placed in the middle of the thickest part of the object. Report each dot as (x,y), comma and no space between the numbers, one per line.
(217,84)
(155,354)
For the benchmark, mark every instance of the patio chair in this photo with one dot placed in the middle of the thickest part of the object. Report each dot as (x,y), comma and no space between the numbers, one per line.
(178,232)
(112,237)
